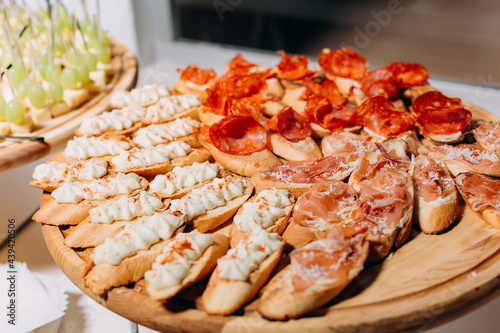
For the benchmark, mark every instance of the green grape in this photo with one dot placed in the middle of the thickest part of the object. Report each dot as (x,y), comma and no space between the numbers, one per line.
(84,23)
(69,78)
(90,31)
(43,13)
(17,73)
(104,40)
(15,112)
(92,43)
(58,25)
(43,69)
(103,55)
(53,73)
(90,60)
(56,92)
(2,109)
(72,56)
(82,73)
(24,87)
(37,96)
(65,18)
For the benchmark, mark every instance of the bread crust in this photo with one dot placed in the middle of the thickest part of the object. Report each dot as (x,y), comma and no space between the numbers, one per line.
(224,296)
(183,88)
(247,165)
(262,184)
(208,118)
(200,270)
(294,151)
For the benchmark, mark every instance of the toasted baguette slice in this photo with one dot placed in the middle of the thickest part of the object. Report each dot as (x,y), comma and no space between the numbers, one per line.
(89,234)
(271,108)
(247,165)
(208,118)
(281,200)
(125,131)
(211,219)
(224,296)
(183,87)
(436,199)
(263,184)
(275,88)
(481,194)
(412,93)
(294,151)
(104,276)
(303,286)
(199,270)
(487,134)
(292,98)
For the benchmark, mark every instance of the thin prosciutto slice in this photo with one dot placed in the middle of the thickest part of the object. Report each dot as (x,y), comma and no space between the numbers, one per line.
(383,211)
(319,210)
(317,273)
(487,135)
(309,171)
(482,195)
(467,158)
(431,179)
(352,147)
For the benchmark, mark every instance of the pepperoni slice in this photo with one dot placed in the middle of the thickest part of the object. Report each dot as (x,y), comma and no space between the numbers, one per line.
(409,73)
(290,125)
(293,67)
(327,89)
(378,115)
(444,122)
(320,111)
(239,65)
(238,135)
(215,100)
(434,100)
(197,75)
(242,107)
(380,82)
(344,62)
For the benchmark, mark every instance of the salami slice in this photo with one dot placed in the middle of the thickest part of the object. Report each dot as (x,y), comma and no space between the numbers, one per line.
(242,107)
(197,75)
(293,67)
(239,65)
(380,82)
(238,135)
(409,74)
(215,100)
(344,62)
(444,122)
(320,111)
(434,100)
(327,89)
(290,125)
(378,115)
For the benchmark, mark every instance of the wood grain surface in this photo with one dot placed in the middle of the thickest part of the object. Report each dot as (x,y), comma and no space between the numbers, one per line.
(428,281)
(57,131)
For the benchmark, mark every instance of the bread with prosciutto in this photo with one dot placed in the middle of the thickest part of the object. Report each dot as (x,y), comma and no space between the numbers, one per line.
(487,135)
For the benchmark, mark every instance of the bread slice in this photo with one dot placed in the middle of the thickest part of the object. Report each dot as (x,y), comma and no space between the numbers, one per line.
(275,88)
(224,296)
(125,131)
(282,298)
(199,270)
(294,151)
(433,216)
(246,165)
(271,108)
(278,226)
(52,213)
(182,87)
(89,234)
(488,212)
(208,118)
(487,134)
(292,98)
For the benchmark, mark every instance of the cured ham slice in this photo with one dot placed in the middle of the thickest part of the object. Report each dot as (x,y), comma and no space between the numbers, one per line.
(343,62)
(317,273)
(482,195)
(487,135)
(409,74)
(384,211)
(466,158)
(238,135)
(352,147)
(196,75)
(318,211)
(436,199)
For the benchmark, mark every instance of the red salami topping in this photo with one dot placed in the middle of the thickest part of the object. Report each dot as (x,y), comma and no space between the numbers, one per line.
(239,65)
(409,73)
(320,111)
(238,135)
(293,67)
(290,125)
(197,75)
(380,82)
(434,100)
(344,62)
(242,107)
(444,122)
(327,89)
(378,115)
(215,100)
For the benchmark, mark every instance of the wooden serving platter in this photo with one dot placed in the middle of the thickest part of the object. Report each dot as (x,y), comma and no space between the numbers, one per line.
(428,281)
(59,130)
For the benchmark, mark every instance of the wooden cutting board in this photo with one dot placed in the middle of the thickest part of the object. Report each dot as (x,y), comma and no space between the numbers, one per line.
(430,280)
(59,130)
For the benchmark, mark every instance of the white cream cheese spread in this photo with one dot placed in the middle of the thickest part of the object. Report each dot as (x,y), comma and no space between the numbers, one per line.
(62,172)
(84,147)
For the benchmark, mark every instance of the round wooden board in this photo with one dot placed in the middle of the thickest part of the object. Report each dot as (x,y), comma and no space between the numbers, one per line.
(59,130)
(428,281)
